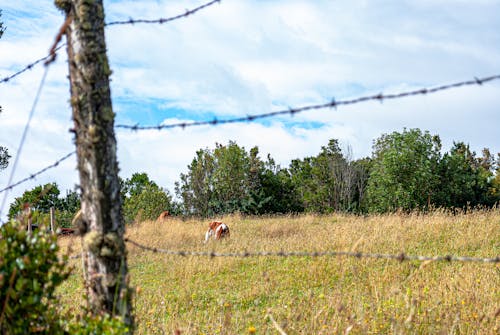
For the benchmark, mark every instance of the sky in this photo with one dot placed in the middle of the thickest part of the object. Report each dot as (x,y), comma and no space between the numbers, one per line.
(238,58)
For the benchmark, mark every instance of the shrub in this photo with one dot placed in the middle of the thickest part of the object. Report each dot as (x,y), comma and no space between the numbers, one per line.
(30,272)
(146,205)
(90,325)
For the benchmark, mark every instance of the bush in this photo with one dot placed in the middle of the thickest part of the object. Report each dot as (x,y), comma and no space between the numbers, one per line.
(64,218)
(30,272)
(90,325)
(146,205)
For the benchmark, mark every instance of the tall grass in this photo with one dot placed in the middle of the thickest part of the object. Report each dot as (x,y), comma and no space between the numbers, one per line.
(316,295)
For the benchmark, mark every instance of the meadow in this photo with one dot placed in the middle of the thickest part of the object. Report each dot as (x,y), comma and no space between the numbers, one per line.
(313,295)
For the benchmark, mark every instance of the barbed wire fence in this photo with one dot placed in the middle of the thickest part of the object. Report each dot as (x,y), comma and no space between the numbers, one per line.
(187,13)
(23,136)
(130,21)
(245,254)
(30,66)
(332,104)
(47,60)
(291,111)
(400,257)
(36,174)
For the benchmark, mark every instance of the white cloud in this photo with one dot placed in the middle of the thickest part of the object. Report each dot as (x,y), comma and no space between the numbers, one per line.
(247,57)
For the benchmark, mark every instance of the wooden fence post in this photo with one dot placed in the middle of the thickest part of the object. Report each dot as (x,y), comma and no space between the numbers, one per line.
(52,220)
(28,216)
(101,224)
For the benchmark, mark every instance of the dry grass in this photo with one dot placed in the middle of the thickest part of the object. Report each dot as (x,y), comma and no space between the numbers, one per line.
(323,295)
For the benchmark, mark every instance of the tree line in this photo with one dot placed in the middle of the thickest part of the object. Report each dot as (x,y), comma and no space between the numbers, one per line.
(406,171)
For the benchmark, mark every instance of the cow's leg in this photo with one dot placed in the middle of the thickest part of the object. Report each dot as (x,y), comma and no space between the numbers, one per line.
(207,235)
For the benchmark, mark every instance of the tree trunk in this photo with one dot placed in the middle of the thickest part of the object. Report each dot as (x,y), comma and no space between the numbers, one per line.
(101,223)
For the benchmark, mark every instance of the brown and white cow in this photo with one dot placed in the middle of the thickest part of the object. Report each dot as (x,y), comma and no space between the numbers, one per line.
(218,230)
(163,215)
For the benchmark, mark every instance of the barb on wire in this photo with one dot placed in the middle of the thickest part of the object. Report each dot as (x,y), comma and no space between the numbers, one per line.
(31,65)
(164,20)
(51,56)
(332,104)
(49,60)
(34,175)
(399,257)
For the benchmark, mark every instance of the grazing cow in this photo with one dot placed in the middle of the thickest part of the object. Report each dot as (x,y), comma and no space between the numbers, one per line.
(217,229)
(66,231)
(163,215)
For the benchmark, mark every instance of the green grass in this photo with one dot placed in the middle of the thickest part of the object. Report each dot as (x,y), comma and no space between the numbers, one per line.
(316,295)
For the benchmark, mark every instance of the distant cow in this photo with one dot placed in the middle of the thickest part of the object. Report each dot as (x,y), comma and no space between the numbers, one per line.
(66,231)
(218,230)
(163,215)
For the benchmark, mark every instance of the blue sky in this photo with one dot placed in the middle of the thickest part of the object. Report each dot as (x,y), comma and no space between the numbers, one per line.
(250,57)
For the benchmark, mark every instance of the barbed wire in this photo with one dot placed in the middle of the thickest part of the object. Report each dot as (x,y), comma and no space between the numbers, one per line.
(332,104)
(34,175)
(399,257)
(164,20)
(129,21)
(77,256)
(25,132)
(49,60)
(31,65)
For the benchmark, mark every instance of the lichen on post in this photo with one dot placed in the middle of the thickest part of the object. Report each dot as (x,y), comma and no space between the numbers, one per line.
(101,223)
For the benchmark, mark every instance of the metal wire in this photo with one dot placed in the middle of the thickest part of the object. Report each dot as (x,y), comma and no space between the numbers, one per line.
(53,51)
(34,175)
(163,20)
(31,65)
(25,132)
(399,257)
(331,104)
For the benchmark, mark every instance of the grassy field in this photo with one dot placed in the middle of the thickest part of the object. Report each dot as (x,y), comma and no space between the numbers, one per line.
(315,295)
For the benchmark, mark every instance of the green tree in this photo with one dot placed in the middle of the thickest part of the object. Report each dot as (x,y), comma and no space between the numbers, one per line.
(301,172)
(196,186)
(67,209)
(495,182)
(147,205)
(143,199)
(335,178)
(231,177)
(278,194)
(466,180)
(228,179)
(329,181)
(404,171)
(41,198)
(219,181)
(135,184)
(71,202)
(362,168)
